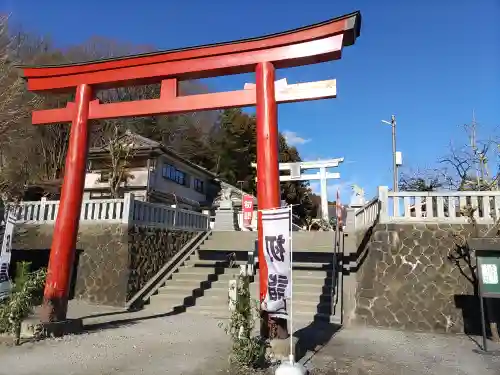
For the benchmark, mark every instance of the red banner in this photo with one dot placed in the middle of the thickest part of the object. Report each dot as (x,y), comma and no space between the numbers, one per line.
(339,209)
(247,210)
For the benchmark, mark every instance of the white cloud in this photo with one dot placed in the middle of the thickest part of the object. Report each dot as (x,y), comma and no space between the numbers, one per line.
(293,139)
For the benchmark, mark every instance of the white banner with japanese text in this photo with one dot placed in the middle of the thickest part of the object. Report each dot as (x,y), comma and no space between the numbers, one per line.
(277,253)
(5,253)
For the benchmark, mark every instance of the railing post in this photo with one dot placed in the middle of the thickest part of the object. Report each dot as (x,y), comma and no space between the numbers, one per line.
(350,220)
(41,213)
(128,208)
(174,206)
(206,219)
(383,197)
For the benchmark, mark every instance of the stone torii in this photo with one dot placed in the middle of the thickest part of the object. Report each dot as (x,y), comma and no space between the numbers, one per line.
(323,175)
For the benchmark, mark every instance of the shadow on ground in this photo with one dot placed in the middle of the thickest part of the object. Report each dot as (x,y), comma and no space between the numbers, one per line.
(313,337)
(116,319)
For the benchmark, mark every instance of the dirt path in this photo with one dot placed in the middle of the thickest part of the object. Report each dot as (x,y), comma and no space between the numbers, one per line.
(172,345)
(138,343)
(384,352)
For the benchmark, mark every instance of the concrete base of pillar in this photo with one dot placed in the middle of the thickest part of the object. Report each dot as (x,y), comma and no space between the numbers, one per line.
(33,328)
(279,349)
(287,368)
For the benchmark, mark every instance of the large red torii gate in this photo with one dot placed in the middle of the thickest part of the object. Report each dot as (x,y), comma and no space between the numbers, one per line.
(308,45)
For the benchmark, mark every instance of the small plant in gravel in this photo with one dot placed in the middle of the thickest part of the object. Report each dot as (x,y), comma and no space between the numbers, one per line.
(248,352)
(26,293)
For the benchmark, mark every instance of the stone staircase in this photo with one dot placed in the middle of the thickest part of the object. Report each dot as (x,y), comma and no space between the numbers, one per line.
(200,286)
(313,294)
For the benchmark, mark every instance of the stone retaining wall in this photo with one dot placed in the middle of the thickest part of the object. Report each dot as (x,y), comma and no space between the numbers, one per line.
(407,282)
(149,250)
(113,261)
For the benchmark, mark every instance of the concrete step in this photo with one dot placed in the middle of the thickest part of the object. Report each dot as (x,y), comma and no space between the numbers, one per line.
(233,236)
(169,301)
(304,280)
(230,240)
(197,262)
(218,308)
(218,301)
(312,297)
(313,289)
(241,241)
(308,296)
(201,274)
(191,286)
(199,269)
(227,246)
(312,266)
(301,320)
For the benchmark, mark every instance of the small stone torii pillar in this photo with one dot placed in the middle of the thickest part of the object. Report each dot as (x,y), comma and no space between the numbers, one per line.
(323,175)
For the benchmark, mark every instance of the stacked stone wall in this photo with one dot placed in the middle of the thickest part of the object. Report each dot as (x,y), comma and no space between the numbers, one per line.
(112,261)
(407,282)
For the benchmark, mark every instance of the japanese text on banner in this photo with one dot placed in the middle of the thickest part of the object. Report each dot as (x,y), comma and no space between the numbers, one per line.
(5,252)
(277,253)
(247,210)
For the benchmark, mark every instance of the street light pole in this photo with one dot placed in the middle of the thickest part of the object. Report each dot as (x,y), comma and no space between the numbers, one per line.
(394,159)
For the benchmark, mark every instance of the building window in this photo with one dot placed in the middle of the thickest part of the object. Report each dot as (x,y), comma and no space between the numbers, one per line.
(171,173)
(104,176)
(198,186)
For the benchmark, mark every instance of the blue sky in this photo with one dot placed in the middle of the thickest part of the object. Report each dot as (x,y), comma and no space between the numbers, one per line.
(428,62)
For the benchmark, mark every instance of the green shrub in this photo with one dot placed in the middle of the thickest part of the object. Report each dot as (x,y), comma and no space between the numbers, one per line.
(247,351)
(26,293)
(22,275)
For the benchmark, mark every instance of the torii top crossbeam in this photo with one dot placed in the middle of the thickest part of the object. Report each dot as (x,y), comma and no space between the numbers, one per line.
(308,45)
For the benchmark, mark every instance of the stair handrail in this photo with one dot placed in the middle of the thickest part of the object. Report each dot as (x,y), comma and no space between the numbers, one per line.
(367,215)
(164,273)
(299,228)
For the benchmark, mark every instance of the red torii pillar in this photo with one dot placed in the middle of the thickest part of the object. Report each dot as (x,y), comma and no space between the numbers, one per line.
(307,45)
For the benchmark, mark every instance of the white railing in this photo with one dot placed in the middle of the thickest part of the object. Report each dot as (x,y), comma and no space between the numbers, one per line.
(46,211)
(442,206)
(366,216)
(127,210)
(153,214)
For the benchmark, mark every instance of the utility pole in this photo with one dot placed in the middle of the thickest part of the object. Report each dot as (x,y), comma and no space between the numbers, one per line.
(474,150)
(478,158)
(394,158)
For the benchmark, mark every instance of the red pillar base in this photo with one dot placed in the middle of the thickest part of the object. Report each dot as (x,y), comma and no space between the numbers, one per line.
(62,252)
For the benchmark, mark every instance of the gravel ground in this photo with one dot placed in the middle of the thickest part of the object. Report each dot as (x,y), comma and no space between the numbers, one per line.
(195,345)
(178,344)
(384,352)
